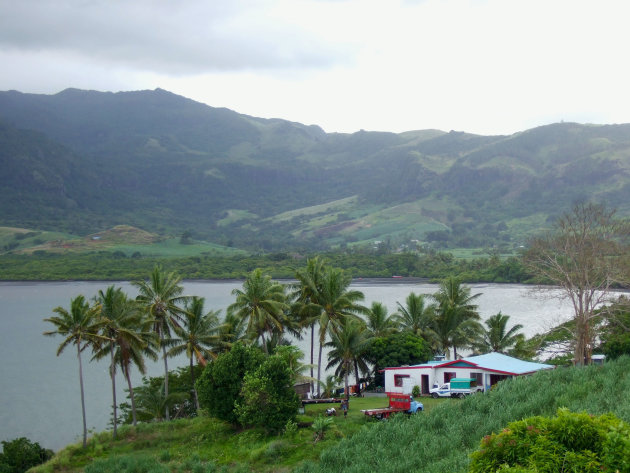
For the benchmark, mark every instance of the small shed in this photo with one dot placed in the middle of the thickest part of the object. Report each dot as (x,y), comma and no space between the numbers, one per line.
(487,369)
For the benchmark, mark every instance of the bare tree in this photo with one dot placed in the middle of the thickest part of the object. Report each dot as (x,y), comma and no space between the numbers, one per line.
(583,254)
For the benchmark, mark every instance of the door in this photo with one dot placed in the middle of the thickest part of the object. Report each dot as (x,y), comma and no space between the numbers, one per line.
(424,381)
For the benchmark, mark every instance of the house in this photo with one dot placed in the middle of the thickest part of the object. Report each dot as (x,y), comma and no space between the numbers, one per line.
(487,369)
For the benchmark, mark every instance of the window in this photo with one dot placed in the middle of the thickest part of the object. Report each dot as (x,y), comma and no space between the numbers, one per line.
(398,379)
(478,377)
(448,375)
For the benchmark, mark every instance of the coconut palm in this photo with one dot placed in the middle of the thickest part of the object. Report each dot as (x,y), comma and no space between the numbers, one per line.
(336,304)
(232,330)
(496,337)
(262,303)
(348,344)
(378,322)
(80,327)
(416,315)
(304,294)
(161,297)
(197,336)
(456,321)
(129,339)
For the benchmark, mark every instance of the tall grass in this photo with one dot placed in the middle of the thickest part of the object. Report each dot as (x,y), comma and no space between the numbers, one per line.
(441,441)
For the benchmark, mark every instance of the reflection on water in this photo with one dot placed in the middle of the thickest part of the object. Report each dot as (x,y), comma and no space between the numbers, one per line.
(40,392)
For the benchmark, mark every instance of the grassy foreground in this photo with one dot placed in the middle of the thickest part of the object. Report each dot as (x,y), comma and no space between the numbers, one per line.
(204,444)
(440,439)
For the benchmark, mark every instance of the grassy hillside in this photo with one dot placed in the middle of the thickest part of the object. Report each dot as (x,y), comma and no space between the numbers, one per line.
(124,239)
(437,440)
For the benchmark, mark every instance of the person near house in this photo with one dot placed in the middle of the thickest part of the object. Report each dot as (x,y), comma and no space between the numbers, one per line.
(344,407)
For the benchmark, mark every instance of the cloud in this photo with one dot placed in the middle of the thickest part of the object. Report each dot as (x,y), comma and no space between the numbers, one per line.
(173,37)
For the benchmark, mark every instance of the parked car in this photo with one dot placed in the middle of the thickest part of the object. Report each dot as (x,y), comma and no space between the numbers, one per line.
(457,387)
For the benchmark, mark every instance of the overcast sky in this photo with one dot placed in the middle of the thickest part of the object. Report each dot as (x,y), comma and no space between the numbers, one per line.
(481,66)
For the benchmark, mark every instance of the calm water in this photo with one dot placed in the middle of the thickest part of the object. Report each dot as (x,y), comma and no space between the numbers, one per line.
(40,396)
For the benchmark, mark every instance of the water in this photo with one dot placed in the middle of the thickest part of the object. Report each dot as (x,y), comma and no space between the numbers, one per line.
(40,396)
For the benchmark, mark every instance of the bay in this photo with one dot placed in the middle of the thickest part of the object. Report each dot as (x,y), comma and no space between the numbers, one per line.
(40,396)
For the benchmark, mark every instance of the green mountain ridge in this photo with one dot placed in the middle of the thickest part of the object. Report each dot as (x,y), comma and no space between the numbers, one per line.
(80,161)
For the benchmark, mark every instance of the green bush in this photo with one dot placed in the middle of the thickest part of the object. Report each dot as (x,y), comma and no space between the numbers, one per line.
(20,454)
(219,387)
(567,442)
(268,399)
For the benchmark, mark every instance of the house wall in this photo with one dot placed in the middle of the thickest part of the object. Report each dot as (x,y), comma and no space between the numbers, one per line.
(436,375)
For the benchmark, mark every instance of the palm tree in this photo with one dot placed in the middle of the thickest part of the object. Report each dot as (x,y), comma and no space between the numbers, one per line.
(160,296)
(379,323)
(262,302)
(330,384)
(230,331)
(416,316)
(496,338)
(456,322)
(348,344)
(197,337)
(336,304)
(80,327)
(128,339)
(304,295)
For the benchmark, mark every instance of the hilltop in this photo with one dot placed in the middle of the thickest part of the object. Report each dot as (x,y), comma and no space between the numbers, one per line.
(80,161)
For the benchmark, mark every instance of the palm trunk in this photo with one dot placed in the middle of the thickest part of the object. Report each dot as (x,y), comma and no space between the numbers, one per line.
(112,372)
(356,372)
(347,390)
(165,374)
(319,369)
(192,380)
(312,349)
(133,400)
(82,397)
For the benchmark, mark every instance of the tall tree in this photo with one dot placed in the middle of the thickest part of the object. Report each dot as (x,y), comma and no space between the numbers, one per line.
(585,255)
(197,336)
(262,302)
(416,316)
(348,347)
(80,327)
(337,303)
(378,322)
(161,296)
(456,321)
(128,339)
(304,296)
(497,337)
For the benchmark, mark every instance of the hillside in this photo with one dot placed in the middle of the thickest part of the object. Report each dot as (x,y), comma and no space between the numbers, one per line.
(81,161)
(437,440)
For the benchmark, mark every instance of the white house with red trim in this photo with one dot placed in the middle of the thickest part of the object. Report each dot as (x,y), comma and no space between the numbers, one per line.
(488,369)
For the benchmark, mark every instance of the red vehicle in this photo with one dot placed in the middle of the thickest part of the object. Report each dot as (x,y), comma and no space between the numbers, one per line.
(397,403)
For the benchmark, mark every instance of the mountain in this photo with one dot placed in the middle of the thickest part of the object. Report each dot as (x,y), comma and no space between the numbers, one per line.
(81,161)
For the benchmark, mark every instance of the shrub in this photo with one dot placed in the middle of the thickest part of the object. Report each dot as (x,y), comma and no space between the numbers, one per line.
(268,399)
(219,387)
(20,454)
(567,442)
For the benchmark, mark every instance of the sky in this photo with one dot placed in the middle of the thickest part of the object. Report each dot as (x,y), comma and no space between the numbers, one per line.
(481,66)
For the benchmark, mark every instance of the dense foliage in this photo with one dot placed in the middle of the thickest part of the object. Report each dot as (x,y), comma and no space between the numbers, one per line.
(268,399)
(18,455)
(567,442)
(219,386)
(107,266)
(396,350)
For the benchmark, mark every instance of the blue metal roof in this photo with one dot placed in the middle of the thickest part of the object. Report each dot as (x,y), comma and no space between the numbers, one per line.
(499,362)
